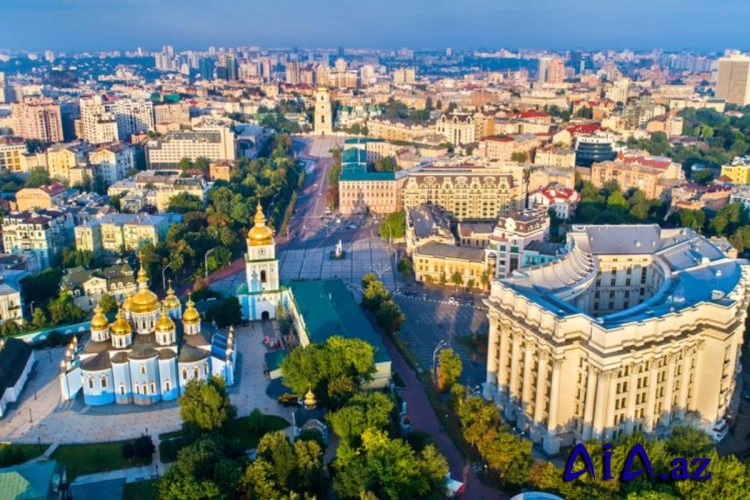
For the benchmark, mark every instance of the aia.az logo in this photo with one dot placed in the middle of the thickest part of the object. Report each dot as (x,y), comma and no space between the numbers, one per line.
(680,466)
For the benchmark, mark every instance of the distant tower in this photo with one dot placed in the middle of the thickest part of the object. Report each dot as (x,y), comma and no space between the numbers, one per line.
(323,115)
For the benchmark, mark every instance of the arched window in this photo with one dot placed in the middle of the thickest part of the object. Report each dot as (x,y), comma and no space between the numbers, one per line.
(153,388)
(104,381)
(167,386)
(145,388)
(196,372)
(91,382)
(205,368)
(262,276)
(184,374)
(143,369)
(122,389)
(137,389)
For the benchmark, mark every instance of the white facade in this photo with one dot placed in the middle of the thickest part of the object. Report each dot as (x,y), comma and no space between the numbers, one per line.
(214,143)
(261,293)
(113,162)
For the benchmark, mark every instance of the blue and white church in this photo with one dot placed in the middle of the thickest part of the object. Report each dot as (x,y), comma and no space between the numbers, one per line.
(261,293)
(148,354)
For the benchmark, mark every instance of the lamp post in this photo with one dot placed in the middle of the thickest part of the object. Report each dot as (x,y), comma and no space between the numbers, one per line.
(440,345)
(205,259)
(31,420)
(163,278)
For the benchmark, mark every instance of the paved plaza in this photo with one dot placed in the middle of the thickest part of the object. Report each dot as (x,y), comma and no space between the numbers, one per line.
(430,320)
(320,147)
(361,257)
(41,416)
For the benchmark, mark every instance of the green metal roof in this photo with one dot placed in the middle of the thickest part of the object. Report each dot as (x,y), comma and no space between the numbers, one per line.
(28,481)
(361,140)
(353,155)
(329,309)
(352,175)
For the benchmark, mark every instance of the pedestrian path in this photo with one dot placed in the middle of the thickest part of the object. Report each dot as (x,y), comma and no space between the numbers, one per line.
(438,301)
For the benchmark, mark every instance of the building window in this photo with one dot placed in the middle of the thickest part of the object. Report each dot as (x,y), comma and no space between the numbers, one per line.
(143,369)
(104,381)
(184,374)
(122,389)
(137,389)
(196,372)
(262,276)
(168,386)
(205,369)
(153,388)
(91,382)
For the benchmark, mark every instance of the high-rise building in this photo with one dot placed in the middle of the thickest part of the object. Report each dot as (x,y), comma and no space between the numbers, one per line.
(323,113)
(98,126)
(340,65)
(4,89)
(551,70)
(132,116)
(206,68)
(405,76)
(577,62)
(232,69)
(37,118)
(211,142)
(292,72)
(733,81)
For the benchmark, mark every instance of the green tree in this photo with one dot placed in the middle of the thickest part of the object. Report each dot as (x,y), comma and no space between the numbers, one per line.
(519,156)
(390,317)
(39,319)
(703,177)
(205,405)
(226,312)
(405,267)
(385,164)
(183,202)
(108,303)
(457,279)
(449,368)
(363,411)
(203,470)
(374,295)
(393,226)
(37,177)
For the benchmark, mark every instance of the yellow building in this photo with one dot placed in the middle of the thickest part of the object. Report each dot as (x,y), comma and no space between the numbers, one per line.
(12,150)
(634,328)
(398,130)
(441,263)
(116,233)
(738,170)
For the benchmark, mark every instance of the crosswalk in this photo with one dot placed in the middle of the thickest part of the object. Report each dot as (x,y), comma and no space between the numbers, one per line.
(440,301)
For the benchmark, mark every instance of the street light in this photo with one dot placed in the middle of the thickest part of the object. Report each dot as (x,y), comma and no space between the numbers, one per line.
(205,259)
(163,280)
(440,345)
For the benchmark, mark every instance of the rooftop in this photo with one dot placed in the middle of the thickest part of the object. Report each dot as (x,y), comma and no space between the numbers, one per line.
(451,252)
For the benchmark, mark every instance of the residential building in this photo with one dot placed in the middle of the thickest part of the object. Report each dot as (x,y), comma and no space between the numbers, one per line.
(87,287)
(551,70)
(733,80)
(118,233)
(156,188)
(457,127)
(404,76)
(392,129)
(37,118)
(504,148)
(466,191)
(669,124)
(132,116)
(634,328)
(323,123)
(214,142)
(66,161)
(448,264)
(293,72)
(140,359)
(740,194)
(692,196)
(12,150)
(559,198)
(11,302)
(510,237)
(220,171)
(98,124)
(169,117)
(738,170)
(594,148)
(540,177)
(654,176)
(113,161)
(475,234)
(43,197)
(42,233)
(555,157)
(424,224)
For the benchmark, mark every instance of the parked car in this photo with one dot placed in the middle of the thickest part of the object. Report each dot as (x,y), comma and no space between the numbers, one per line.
(288,400)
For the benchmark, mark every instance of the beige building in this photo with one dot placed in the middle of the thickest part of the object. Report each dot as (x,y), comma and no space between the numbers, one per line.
(97,124)
(511,236)
(323,113)
(733,80)
(12,150)
(43,197)
(439,263)
(459,128)
(467,191)
(112,162)
(392,129)
(376,192)
(404,76)
(117,233)
(635,328)
(156,188)
(65,160)
(555,157)
(541,177)
(652,175)
(213,142)
(424,224)
(37,118)
(172,114)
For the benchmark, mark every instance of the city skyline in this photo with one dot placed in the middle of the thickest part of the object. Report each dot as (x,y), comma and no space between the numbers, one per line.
(76,25)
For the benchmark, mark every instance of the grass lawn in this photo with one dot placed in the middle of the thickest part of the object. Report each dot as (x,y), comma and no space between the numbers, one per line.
(238,430)
(141,490)
(81,459)
(29,450)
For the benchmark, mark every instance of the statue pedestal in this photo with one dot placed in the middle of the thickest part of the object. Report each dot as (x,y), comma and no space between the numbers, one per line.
(337,256)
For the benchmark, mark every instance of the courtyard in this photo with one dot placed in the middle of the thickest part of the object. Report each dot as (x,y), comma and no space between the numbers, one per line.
(40,416)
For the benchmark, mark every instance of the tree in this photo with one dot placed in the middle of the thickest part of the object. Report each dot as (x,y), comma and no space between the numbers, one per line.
(385,164)
(39,319)
(449,369)
(457,279)
(374,295)
(367,279)
(107,303)
(364,411)
(64,310)
(485,279)
(205,405)
(393,226)
(390,317)
(225,313)
(405,267)
(182,203)
(519,156)
(37,177)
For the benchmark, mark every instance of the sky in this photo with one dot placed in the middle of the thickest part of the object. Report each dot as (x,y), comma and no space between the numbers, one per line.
(75,25)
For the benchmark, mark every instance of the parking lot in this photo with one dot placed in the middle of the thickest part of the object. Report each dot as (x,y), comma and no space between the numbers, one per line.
(431,316)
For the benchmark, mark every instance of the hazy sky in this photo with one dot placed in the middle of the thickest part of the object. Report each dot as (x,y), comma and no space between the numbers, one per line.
(553,24)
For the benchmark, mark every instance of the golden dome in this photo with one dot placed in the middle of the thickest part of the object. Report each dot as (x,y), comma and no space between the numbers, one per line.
(191,316)
(171,301)
(310,399)
(260,234)
(164,323)
(144,300)
(99,321)
(121,325)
